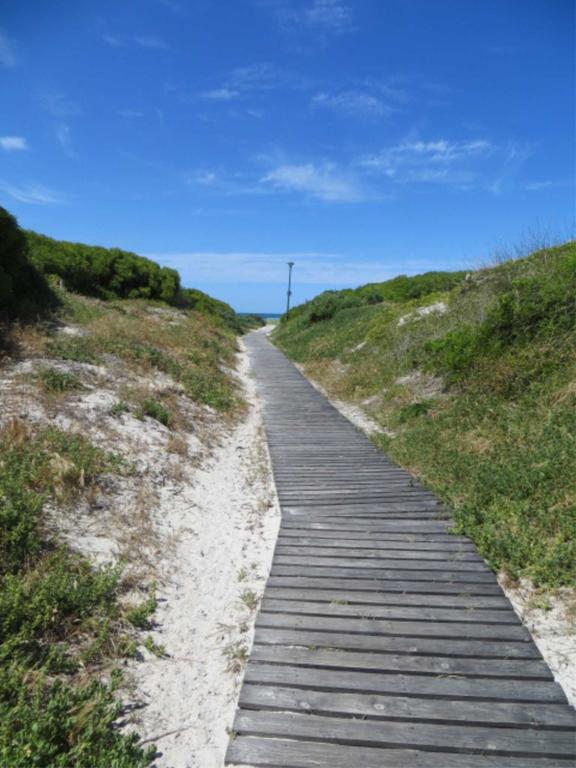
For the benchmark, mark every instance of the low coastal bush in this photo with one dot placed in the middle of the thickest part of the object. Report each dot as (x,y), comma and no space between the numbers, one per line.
(58,614)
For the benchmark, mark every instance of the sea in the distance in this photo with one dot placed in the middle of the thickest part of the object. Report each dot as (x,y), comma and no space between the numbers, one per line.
(263,315)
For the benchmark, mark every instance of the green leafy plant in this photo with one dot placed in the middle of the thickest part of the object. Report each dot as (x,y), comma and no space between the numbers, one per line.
(79,349)
(53,380)
(155,410)
(119,408)
(412,411)
(139,615)
(57,614)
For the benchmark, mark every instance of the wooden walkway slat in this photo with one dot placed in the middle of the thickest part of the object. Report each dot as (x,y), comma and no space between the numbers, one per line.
(398,707)
(292,753)
(383,640)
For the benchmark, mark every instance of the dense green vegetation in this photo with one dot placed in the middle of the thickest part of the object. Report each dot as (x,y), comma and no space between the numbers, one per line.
(478,397)
(398,290)
(107,273)
(29,262)
(58,615)
(24,292)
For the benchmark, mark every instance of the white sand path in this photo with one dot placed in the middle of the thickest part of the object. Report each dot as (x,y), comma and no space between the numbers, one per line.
(225,526)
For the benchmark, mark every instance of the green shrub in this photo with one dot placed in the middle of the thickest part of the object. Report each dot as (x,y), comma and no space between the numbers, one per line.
(328,304)
(107,273)
(139,615)
(413,411)
(119,408)
(80,349)
(533,306)
(210,387)
(453,354)
(24,292)
(53,380)
(57,613)
(45,723)
(155,410)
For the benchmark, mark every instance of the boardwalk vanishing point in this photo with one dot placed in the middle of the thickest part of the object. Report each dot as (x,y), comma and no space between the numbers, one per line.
(382,641)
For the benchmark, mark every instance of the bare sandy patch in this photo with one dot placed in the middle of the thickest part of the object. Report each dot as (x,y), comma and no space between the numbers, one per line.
(223,529)
(551,620)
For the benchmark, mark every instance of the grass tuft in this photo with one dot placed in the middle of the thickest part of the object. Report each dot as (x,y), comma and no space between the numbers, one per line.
(54,381)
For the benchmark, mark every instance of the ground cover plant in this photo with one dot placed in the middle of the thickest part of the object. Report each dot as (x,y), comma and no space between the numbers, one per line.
(476,389)
(60,618)
(196,353)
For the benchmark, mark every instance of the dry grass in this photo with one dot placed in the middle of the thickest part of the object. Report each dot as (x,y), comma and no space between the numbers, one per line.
(178,445)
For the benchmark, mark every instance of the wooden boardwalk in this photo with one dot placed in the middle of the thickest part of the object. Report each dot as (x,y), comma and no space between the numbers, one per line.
(382,640)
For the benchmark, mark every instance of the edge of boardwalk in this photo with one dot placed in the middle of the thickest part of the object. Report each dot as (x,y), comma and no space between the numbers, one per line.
(382,639)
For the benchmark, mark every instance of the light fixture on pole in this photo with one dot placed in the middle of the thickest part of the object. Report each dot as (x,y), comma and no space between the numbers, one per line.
(290,265)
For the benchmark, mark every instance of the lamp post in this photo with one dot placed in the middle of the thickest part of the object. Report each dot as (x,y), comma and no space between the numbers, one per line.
(290,265)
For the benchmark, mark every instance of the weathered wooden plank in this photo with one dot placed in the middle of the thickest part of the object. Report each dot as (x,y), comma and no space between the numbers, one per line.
(330,658)
(425,686)
(512,742)
(408,547)
(280,753)
(451,555)
(447,629)
(413,564)
(344,608)
(478,603)
(325,581)
(441,537)
(451,576)
(397,707)
(396,644)
(339,514)
(370,526)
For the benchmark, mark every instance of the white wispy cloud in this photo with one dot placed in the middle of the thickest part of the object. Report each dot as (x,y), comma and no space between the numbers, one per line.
(264,76)
(131,114)
(418,153)
(331,15)
(59,105)
(64,138)
(254,80)
(440,161)
(31,193)
(172,5)
(323,181)
(13,143)
(150,42)
(353,103)
(537,186)
(325,16)
(218,182)
(221,94)
(204,178)
(7,56)
(262,267)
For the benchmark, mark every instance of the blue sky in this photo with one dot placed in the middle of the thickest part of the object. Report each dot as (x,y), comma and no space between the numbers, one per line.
(358,138)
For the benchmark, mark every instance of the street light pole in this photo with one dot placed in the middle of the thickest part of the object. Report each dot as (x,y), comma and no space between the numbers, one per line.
(290,265)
